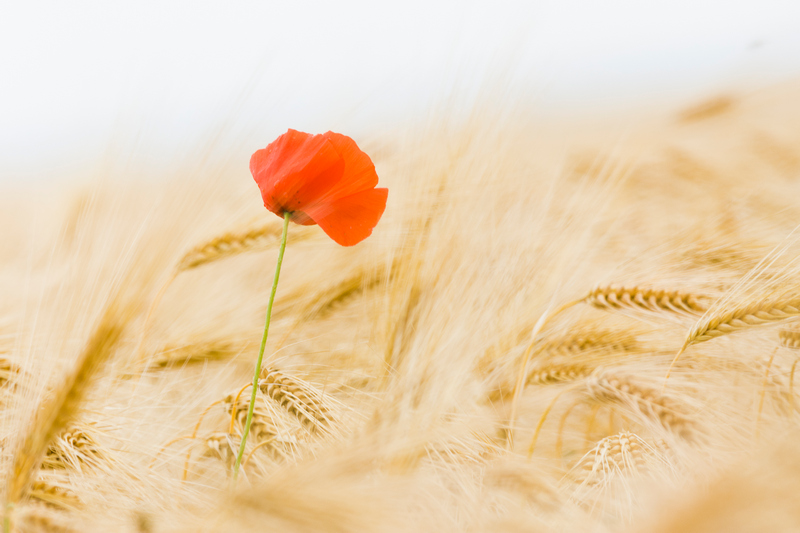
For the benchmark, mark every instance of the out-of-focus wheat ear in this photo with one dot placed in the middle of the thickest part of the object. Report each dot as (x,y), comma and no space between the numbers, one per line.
(235,243)
(790,337)
(606,386)
(9,372)
(38,517)
(299,398)
(74,448)
(594,340)
(60,407)
(546,374)
(651,300)
(54,492)
(327,297)
(220,446)
(196,352)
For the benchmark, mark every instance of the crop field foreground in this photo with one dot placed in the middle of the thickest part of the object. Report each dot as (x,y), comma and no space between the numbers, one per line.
(554,327)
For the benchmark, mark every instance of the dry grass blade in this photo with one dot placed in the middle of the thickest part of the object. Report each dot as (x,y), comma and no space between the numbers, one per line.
(646,299)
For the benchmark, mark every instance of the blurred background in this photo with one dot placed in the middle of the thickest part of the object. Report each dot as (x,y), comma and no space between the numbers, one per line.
(82,82)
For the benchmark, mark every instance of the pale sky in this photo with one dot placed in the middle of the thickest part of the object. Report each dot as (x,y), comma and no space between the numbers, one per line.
(158,75)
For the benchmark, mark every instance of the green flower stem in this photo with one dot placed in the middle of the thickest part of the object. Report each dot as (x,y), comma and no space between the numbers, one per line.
(263,345)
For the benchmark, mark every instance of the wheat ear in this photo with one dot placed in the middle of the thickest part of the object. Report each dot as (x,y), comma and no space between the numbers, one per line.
(296,396)
(762,313)
(235,243)
(652,404)
(605,340)
(790,338)
(622,453)
(73,448)
(637,298)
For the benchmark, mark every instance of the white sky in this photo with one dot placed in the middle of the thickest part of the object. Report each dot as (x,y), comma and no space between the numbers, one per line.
(79,76)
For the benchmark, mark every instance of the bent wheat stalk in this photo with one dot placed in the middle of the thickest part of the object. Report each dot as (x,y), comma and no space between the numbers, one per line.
(523,366)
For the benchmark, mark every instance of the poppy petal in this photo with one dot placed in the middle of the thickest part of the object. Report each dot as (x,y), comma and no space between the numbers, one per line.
(359,171)
(350,220)
(296,170)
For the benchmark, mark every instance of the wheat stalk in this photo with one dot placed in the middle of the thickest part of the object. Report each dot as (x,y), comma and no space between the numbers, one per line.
(263,427)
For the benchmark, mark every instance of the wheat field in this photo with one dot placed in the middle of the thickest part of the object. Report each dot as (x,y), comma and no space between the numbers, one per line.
(493,358)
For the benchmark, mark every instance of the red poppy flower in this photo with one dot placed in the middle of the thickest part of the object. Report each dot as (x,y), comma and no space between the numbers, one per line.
(321,179)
